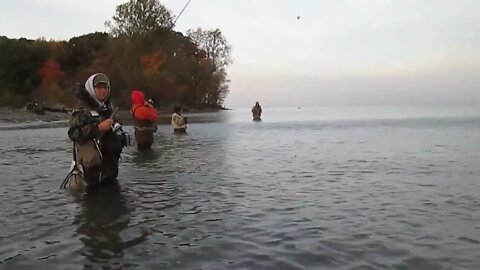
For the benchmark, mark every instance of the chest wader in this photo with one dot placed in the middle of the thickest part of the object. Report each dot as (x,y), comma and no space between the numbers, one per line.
(256,113)
(86,168)
(144,133)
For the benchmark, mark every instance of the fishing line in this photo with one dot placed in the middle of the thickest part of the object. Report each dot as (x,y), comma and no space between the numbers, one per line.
(180,14)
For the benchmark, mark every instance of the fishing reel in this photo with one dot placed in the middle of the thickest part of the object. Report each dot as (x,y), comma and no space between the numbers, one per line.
(124,136)
(116,127)
(126,139)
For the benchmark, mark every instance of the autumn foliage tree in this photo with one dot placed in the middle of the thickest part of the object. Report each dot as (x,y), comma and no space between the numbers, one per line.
(51,78)
(140,52)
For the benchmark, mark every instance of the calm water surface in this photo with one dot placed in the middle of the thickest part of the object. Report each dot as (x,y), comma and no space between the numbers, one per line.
(310,188)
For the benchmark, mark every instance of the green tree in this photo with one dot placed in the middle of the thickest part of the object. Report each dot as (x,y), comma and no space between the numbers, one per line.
(140,17)
(20,61)
(214,43)
(214,49)
(81,51)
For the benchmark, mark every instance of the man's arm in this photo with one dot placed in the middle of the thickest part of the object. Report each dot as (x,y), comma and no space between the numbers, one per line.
(82,127)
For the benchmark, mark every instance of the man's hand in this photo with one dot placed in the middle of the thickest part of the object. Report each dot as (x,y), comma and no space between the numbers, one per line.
(105,125)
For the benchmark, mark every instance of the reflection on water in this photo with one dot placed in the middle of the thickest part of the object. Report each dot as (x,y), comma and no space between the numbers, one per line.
(299,190)
(104,216)
(145,157)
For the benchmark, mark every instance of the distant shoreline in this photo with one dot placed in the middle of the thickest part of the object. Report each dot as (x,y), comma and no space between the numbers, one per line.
(19,116)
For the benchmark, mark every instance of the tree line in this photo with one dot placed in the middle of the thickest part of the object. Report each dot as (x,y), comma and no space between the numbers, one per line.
(140,51)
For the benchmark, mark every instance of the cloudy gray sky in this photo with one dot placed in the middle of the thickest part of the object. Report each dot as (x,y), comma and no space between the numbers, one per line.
(342,52)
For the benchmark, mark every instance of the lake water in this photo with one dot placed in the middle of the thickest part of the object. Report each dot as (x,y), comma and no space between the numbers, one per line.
(306,188)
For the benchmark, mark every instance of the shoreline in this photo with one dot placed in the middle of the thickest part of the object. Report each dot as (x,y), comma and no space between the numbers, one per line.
(10,116)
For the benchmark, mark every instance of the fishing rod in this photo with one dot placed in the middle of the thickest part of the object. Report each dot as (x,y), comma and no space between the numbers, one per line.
(80,92)
(37,108)
(180,14)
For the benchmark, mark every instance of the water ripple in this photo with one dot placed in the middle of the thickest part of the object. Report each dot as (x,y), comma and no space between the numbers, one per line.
(349,195)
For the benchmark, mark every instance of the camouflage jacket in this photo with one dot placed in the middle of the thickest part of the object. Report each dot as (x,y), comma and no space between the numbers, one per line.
(257,110)
(84,121)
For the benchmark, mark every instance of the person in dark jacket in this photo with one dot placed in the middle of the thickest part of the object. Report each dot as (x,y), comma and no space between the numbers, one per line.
(257,112)
(97,136)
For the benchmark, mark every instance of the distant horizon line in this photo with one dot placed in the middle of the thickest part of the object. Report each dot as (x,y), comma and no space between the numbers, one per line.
(357,105)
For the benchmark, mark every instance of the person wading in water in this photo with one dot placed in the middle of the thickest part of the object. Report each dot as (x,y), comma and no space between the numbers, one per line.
(257,112)
(145,120)
(179,122)
(98,138)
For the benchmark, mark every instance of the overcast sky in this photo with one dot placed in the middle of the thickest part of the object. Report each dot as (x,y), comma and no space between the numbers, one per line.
(339,52)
